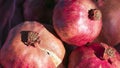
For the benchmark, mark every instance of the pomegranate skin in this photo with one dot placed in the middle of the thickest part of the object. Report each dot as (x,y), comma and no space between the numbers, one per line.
(17,53)
(111,17)
(94,56)
(39,10)
(74,23)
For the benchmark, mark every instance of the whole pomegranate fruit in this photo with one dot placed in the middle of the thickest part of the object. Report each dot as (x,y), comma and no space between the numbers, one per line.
(39,10)
(95,55)
(111,18)
(77,22)
(31,45)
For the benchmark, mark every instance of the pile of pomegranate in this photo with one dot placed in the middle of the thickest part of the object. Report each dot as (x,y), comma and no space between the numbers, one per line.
(59,34)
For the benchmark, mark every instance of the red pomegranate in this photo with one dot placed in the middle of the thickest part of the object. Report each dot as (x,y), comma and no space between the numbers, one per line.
(95,55)
(77,22)
(39,10)
(31,45)
(111,18)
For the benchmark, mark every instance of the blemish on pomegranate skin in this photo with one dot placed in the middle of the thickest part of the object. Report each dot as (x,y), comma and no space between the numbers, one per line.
(48,53)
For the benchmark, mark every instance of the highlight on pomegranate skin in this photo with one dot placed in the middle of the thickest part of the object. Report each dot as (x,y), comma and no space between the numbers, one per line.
(77,22)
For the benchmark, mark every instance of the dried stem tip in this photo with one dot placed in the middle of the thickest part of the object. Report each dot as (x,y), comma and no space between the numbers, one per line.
(94,14)
(30,37)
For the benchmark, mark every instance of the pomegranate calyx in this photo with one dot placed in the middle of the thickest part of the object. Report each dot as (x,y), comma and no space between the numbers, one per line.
(94,14)
(109,53)
(30,37)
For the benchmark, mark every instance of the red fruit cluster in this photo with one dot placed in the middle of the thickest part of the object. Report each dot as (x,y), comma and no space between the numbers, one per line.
(59,34)
(79,22)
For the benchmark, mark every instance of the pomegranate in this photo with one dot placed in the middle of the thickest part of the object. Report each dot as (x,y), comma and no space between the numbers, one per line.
(111,18)
(95,55)
(77,22)
(31,45)
(39,10)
